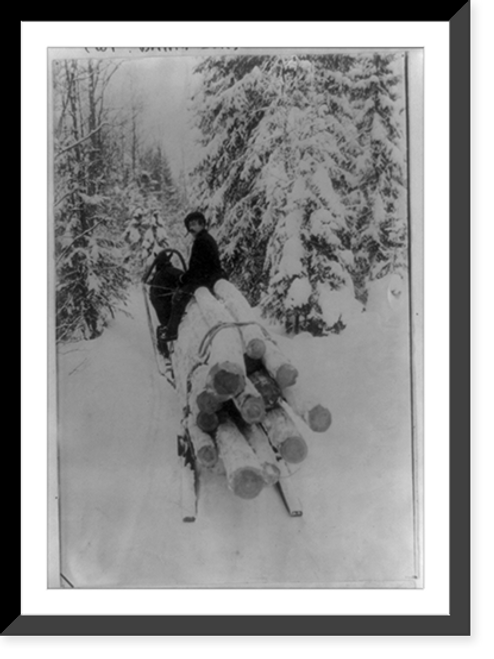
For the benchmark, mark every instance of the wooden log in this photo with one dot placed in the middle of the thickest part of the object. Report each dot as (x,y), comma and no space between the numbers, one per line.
(226,378)
(242,312)
(266,386)
(227,375)
(254,347)
(250,404)
(283,434)
(279,366)
(205,450)
(244,473)
(207,421)
(313,412)
(209,401)
(184,356)
(258,439)
(192,330)
(200,423)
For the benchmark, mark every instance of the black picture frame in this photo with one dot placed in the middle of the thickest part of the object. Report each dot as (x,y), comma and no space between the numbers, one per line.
(457,623)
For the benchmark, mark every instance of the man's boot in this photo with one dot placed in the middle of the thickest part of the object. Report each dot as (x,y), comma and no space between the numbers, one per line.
(161,340)
(170,335)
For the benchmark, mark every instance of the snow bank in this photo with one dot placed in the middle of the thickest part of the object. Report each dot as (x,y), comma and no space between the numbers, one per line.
(298,293)
(120,476)
(388,299)
(339,304)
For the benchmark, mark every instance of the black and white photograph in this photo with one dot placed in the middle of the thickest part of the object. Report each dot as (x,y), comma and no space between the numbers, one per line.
(235,314)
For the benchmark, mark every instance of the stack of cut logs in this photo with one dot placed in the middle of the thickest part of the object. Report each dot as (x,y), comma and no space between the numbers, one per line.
(239,392)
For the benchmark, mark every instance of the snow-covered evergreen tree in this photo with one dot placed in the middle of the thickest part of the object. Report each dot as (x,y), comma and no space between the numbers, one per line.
(305,255)
(379,217)
(154,211)
(274,177)
(228,106)
(168,195)
(91,277)
(146,235)
(302,173)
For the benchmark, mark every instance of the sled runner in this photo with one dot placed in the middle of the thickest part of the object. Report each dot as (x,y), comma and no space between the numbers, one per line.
(163,362)
(239,398)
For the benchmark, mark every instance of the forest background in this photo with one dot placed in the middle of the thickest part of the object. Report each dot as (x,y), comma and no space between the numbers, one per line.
(432,37)
(298,160)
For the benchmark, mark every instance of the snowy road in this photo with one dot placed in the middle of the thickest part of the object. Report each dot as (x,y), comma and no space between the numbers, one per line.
(120,517)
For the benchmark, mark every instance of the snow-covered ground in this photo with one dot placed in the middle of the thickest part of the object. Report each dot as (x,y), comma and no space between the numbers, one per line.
(120,515)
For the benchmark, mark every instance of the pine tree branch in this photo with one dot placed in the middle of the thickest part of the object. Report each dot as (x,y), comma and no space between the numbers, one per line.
(83,139)
(77,238)
(57,202)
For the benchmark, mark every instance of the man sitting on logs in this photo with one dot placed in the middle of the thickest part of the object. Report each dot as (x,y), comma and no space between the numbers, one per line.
(204,270)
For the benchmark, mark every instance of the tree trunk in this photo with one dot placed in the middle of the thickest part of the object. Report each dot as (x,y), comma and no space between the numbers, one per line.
(244,473)
(315,415)
(242,312)
(188,381)
(250,404)
(206,421)
(227,375)
(283,434)
(186,348)
(205,449)
(226,378)
(209,401)
(279,366)
(257,438)
(258,345)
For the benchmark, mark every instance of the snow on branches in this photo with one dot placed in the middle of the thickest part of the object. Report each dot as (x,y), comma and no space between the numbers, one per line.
(103,176)
(300,167)
(302,171)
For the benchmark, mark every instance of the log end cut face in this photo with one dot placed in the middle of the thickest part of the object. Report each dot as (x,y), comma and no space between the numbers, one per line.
(319,418)
(208,401)
(207,421)
(207,456)
(294,449)
(286,375)
(228,379)
(247,483)
(256,349)
(253,410)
